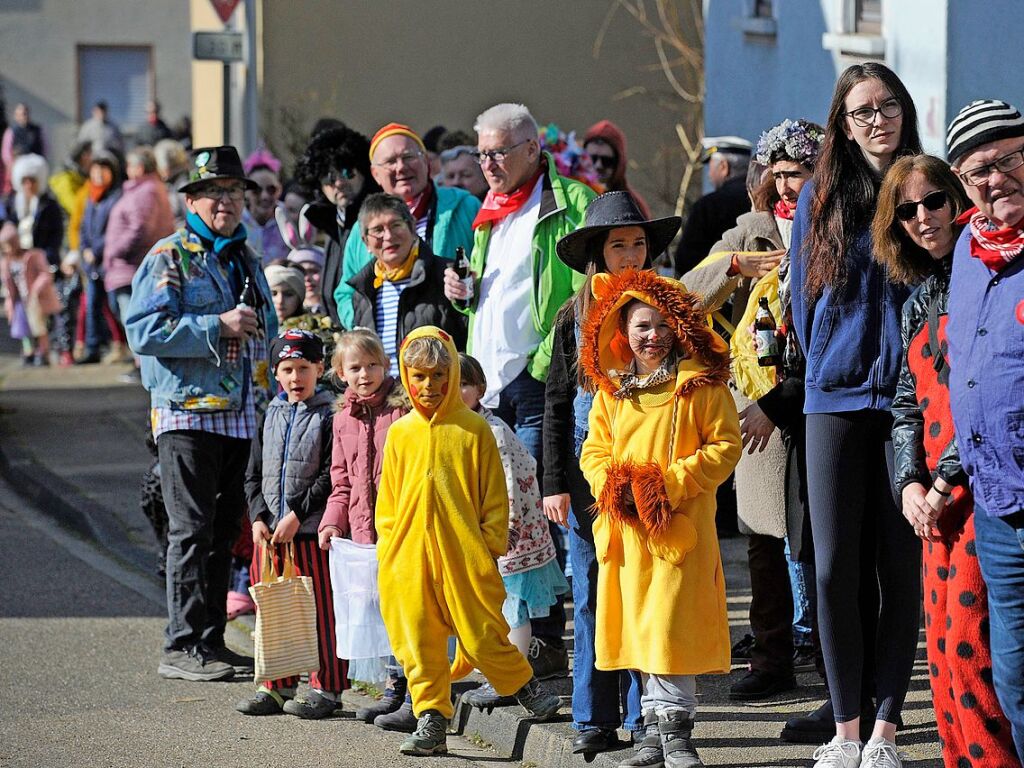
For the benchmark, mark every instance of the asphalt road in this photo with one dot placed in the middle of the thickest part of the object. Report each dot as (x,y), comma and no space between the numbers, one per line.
(78,654)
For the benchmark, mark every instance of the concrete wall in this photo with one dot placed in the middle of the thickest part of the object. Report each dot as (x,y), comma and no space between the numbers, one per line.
(369,63)
(38,57)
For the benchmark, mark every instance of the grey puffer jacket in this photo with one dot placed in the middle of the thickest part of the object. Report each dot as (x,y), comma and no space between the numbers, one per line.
(290,462)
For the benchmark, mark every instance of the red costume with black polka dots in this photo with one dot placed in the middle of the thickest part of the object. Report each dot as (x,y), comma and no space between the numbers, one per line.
(972,729)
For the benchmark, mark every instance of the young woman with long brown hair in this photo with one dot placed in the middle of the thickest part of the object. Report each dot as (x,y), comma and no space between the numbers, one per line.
(846,311)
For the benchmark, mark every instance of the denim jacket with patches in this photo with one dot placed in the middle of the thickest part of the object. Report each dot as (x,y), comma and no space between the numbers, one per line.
(173,323)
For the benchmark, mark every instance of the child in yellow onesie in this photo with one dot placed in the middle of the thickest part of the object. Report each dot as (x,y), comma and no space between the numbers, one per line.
(442,521)
(664,434)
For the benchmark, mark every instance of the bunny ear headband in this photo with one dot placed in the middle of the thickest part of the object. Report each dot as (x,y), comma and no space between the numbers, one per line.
(297,238)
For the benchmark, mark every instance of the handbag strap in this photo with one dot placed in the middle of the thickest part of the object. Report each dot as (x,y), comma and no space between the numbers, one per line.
(268,573)
(288,569)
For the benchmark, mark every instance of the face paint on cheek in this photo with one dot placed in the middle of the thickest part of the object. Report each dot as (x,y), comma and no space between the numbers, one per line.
(414,391)
(444,388)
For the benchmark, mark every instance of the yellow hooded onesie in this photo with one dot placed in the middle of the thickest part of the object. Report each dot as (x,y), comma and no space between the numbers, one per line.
(442,520)
(660,590)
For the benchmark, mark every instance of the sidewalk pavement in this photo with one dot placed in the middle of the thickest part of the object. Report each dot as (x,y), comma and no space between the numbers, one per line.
(72,443)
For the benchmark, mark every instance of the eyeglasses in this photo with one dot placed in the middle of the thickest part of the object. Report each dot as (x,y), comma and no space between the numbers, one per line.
(975,177)
(865,116)
(394,228)
(497,155)
(406,158)
(333,176)
(270,189)
(215,192)
(933,201)
(603,160)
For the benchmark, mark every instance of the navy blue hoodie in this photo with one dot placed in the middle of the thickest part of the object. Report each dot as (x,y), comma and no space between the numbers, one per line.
(851,338)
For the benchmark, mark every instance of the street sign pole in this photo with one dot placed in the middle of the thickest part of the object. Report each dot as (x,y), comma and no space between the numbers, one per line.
(227,102)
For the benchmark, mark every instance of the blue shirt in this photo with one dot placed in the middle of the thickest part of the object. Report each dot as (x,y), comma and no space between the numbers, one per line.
(985,334)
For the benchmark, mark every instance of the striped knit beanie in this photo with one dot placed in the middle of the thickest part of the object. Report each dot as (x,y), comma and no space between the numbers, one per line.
(982,122)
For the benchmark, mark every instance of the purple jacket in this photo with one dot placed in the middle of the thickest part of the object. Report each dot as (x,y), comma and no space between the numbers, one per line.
(986,382)
(140,218)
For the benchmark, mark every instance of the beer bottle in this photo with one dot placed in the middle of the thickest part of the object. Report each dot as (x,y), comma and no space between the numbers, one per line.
(461,268)
(766,341)
(247,298)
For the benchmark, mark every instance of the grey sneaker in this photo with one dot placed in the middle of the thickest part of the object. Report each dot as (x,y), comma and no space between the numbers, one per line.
(538,700)
(546,660)
(675,729)
(486,698)
(311,705)
(401,720)
(194,664)
(648,749)
(430,736)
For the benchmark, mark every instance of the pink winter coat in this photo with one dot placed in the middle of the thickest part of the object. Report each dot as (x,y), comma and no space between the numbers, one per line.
(140,218)
(360,427)
(38,278)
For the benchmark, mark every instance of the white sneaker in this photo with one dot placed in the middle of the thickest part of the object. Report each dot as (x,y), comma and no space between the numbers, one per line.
(881,753)
(838,753)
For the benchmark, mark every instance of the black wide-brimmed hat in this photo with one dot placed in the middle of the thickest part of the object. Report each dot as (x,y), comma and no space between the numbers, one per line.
(212,163)
(607,212)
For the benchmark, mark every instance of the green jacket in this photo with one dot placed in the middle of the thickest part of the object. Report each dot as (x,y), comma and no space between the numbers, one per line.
(454,212)
(562,205)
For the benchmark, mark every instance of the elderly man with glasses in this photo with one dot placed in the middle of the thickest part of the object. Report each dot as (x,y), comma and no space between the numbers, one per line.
(519,284)
(985,334)
(443,215)
(459,168)
(200,317)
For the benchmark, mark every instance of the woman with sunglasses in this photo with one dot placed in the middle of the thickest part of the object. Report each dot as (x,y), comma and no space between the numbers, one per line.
(846,313)
(914,230)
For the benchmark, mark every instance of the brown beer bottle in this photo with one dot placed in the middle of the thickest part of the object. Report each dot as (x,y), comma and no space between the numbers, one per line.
(766,339)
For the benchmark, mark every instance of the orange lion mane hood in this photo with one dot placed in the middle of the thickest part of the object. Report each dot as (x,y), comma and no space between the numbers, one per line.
(604,347)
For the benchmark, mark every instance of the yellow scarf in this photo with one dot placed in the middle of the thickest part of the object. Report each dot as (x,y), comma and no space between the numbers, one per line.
(393,275)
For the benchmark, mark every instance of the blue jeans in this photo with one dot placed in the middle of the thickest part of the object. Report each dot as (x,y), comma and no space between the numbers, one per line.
(96,332)
(1000,543)
(801,580)
(118,300)
(598,697)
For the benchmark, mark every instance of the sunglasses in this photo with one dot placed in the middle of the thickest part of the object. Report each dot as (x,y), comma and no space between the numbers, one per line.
(933,201)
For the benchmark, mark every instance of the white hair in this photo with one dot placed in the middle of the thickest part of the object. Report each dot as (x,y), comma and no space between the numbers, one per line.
(511,118)
(30,167)
(170,156)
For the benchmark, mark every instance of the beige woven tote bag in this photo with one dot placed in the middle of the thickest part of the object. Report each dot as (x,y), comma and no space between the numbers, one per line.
(286,642)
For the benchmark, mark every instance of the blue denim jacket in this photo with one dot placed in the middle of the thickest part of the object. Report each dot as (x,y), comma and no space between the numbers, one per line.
(173,322)
(985,334)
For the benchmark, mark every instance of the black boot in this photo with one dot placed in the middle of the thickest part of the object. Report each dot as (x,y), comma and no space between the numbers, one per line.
(394,695)
(401,720)
(820,725)
(594,740)
(648,753)
(675,728)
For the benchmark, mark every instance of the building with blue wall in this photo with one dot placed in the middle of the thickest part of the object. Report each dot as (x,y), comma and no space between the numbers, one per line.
(766,60)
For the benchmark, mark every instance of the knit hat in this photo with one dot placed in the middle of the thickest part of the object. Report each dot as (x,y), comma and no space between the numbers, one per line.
(982,122)
(296,344)
(292,277)
(310,254)
(395,129)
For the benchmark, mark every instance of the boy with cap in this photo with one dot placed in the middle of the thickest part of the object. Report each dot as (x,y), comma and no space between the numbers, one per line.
(287,485)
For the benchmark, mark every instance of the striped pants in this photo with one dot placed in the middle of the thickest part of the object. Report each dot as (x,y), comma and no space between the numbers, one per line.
(312,561)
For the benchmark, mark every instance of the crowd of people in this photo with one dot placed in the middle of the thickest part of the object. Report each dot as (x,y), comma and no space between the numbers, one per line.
(469,353)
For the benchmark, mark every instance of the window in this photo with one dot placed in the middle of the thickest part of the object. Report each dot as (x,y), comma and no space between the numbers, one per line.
(867,17)
(762,9)
(759,24)
(122,76)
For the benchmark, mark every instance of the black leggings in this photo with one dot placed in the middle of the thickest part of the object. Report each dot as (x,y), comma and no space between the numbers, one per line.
(859,531)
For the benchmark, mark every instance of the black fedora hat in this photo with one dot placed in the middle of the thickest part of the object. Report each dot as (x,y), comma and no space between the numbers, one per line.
(610,211)
(212,163)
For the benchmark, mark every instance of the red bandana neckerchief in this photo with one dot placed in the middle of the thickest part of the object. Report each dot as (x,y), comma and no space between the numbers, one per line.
(995,247)
(783,211)
(421,206)
(497,205)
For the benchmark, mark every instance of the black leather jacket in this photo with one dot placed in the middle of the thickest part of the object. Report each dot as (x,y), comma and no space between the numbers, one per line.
(921,314)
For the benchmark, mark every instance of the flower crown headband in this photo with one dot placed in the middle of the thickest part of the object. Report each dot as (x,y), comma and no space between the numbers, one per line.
(796,140)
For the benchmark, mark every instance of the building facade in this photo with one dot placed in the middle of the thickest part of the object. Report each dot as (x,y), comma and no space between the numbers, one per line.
(767,60)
